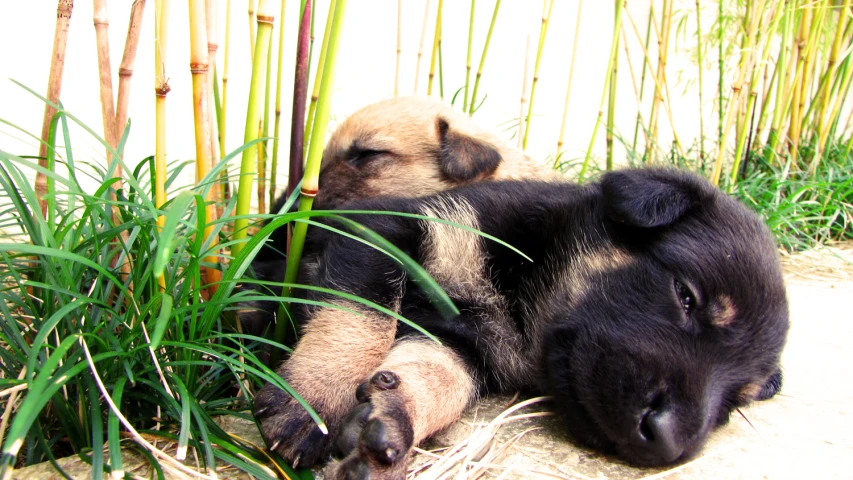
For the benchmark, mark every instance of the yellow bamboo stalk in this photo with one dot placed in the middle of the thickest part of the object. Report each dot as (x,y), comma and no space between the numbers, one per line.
(54,86)
(266,18)
(201,113)
(128,60)
(823,122)
(569,84)
(435,44)
(735,101)
(252,24)
(659,89)
(421,47)
(798,93)
(161,88)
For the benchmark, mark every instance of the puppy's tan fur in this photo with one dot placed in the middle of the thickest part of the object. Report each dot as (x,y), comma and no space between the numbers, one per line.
(415,146)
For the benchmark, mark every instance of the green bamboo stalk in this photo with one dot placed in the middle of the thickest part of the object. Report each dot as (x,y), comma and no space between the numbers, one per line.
(722,75)
(643,80)
(263,146)
(701,69)
(841,94)
(276,128)
(315,93)
(611,102)
(543,30)
(252,23)
(569,85)
(753,90)
(310,183)
(781,80)
(224,180)
(468,56)
(737,91)
(832,70)
(614,50)
(266,17)
(473,105)
(435,43)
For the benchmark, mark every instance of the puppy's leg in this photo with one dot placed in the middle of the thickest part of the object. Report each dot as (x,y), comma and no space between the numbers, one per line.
(338,350)
(420,388)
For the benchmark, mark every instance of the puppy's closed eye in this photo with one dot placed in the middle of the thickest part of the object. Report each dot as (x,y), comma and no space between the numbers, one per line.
(360,157)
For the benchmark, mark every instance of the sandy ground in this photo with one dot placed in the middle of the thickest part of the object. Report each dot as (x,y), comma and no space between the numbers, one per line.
(804,432)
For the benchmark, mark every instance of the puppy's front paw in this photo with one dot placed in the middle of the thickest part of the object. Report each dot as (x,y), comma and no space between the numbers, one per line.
(288,429)
(375,437)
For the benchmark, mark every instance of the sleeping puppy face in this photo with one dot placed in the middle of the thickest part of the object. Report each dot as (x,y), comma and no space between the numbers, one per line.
(682,319)
(414,146)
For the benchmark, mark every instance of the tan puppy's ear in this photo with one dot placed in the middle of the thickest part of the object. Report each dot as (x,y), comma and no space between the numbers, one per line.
(464,158)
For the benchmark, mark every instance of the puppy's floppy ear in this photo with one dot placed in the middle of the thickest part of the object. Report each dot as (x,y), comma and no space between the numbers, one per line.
(652,197)
(464,158)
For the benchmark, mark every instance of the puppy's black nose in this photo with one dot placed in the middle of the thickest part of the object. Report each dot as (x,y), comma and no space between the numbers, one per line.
(656,435)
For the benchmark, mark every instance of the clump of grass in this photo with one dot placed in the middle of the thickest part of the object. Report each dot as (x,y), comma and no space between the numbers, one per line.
(85,359)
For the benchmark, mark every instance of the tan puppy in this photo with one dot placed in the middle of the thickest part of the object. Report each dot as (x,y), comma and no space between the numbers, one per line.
(415,146)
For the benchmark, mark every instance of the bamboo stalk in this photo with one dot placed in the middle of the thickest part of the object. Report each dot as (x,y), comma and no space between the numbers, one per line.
(638,122)
(310,183)
(841,95)
(468,56)
(278,82)
(161,88)
(659,89)
(660,76)
(300,91)
(263,131)
(614,50)
(736,95)
(722,76)
(108,113)
(637,91)
(799,85)
(525,86)
(569,84)
(252,28)
(543,30)
(435,44)
(54,87)
(224,178)
(212,47)
(128,60)
(611,102)
(782,90)
(201,116)
(701,68)
(399,47)
(266,18)
(473,105)
(832,68)
(753,92)
(421,47)
(315,92)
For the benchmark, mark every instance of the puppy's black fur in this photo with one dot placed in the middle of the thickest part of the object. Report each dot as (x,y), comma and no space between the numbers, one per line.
(653,306)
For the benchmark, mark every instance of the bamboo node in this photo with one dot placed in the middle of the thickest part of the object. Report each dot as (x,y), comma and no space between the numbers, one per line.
(265,19)
(308,193)
(125,72)
(198,68)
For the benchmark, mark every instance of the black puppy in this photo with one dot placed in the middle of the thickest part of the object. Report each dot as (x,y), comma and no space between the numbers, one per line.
(653,306)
